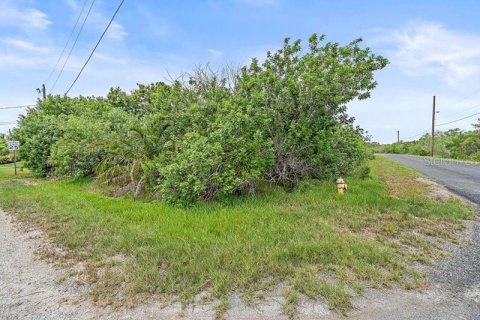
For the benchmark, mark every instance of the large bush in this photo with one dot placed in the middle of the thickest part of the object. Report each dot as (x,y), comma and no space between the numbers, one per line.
(223,155)
(45,125)
(38,133)
(304,96)
(212,134)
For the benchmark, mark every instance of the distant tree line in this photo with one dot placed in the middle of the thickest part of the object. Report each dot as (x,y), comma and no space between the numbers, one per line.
(454,144)
(212,134)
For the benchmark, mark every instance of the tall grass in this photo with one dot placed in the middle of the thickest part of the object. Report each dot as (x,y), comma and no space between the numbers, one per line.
(311,241)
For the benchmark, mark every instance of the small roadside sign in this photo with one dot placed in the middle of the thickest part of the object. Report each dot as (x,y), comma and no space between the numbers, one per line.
(13,145)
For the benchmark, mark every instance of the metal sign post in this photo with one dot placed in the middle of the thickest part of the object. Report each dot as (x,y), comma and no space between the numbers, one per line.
(15,160)
(13,146)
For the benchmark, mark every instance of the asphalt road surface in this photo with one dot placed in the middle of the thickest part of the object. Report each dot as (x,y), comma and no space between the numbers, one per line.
(455,282)
(462,178)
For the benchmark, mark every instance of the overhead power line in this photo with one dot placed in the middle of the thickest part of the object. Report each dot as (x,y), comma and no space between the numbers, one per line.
(18,107)
(95,48)
(68,41)
(418,134)
(468,109)
(457,120)
(73,46)
(442,124)
(446,123)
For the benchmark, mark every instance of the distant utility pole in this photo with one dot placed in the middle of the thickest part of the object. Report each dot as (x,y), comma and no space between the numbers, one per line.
(433,127)
(398,136)
(44,92)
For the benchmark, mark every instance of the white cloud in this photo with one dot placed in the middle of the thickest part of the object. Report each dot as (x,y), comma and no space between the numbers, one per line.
(430,49)
(21,17)
(72,4)
(99,19)
(18,53)
(116,31)
(155,26)
(215,52)
(24,45)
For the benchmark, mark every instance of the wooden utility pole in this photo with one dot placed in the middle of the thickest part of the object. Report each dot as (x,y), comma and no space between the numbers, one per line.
(44,92)
(433,126)
(398,136)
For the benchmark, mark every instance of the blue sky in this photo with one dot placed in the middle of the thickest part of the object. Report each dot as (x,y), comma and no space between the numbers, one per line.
(433,46)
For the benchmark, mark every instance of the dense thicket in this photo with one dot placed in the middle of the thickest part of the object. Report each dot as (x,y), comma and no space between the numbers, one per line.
(214,133)
(454,144)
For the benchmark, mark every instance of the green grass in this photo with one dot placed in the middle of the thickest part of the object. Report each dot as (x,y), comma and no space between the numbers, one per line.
(7,171)
(311,241)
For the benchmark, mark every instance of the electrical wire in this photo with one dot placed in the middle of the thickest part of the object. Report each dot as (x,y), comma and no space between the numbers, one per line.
(465,110)
(446,123)
(18,107)
(418,134)
(457,120)
(73,46)
(95,48)
(68,41)
(465,97)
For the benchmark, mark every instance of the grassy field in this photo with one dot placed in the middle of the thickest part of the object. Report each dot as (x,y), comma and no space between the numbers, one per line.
(309,242)
(7,172)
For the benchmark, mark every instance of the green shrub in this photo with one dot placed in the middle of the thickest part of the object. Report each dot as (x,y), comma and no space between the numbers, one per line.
(215,134)
(363,172)
(196,172)
(6,159)
(80,148)
(229,160)
(304,94)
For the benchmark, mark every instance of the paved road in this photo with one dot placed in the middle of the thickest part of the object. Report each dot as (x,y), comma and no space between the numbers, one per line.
(460,177)
(455,290)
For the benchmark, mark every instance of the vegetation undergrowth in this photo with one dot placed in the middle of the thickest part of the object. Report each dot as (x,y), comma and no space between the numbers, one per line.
(450,144)
(311,241)
(7,172)
(211,134)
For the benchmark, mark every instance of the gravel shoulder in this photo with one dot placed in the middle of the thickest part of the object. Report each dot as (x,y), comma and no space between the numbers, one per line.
(30,289)
(453,294)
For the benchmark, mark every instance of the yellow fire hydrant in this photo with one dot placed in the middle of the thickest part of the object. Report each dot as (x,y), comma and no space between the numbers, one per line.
(341,186)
